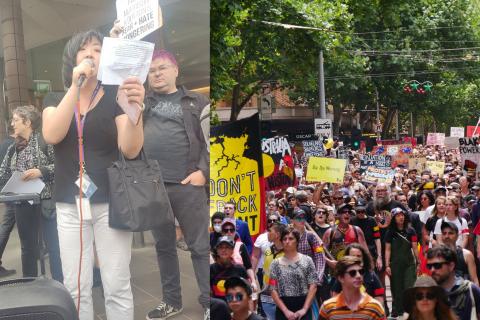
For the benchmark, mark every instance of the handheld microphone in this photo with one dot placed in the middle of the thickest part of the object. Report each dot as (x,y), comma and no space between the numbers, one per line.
(83,77)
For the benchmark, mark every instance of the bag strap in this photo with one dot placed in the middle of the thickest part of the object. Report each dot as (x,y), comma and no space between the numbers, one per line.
(473,315)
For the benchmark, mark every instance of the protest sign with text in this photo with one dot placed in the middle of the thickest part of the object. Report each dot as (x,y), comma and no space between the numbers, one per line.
(437,167)
(379,175)
(278,168)
(418,163)
(138,17)
(236,171)
(325,170)
(457,132)
(470,153)
(436,138)
(373,160)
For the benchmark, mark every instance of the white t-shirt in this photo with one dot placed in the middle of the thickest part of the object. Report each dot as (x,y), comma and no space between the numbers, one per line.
(263,244)
(461,224)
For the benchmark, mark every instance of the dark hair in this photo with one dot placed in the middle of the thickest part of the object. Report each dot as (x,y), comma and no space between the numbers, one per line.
(393,224)
(217,215)
(71,50)
(344,263)
(293,231)
(442,251)
(31,113)
(367,257)
(279,227)
(431,198)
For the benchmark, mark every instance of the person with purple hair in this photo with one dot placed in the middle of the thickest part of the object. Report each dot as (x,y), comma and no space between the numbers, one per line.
(174,137)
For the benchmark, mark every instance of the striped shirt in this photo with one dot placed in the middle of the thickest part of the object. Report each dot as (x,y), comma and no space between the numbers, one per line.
(336,309)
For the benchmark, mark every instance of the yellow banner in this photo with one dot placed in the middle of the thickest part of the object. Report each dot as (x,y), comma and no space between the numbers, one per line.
(437,167)
(235,159)
(326,170)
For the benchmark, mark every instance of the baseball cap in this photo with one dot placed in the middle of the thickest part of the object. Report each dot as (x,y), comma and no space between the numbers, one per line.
(225,239)
(441,188)
(448,224)
(299,213)
(344,207)
(238,282)
(361,205)
(230,221)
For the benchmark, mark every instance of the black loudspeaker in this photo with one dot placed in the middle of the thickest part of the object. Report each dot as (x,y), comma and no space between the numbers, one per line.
(35,299)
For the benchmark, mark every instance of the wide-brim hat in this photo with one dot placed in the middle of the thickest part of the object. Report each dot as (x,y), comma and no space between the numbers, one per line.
(422,282)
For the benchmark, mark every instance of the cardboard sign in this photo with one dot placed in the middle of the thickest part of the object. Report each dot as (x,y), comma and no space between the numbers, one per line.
(457,132)
(377,175)
(451,142)
(138,17)
(437,167)
(419,163)
(323,128)
(436,138)
(325,170)
(374,160)
(470,153)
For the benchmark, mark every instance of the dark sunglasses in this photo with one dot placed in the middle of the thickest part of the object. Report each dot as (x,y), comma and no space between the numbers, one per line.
(321,213)
(300,219)
(353,273)
(235,297)
(227,230)
(272,220)
(436,265)
(427,295)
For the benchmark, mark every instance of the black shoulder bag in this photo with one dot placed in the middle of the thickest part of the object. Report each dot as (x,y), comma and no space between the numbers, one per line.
(138,198)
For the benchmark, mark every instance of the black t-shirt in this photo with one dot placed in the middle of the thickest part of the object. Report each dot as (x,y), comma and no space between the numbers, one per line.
(368,227)
(409,234)
(166,139)
(100,145)
(219,274)
(319,230)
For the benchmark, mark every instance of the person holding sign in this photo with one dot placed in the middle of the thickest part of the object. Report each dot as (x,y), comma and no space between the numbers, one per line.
(86,123)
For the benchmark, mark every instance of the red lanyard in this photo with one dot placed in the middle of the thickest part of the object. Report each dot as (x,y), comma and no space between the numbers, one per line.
(80,123)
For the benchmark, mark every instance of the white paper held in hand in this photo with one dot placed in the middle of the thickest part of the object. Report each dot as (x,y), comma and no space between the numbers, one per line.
(121,58)
(16,184)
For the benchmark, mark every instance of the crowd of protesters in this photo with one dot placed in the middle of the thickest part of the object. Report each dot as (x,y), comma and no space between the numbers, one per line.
(328,248)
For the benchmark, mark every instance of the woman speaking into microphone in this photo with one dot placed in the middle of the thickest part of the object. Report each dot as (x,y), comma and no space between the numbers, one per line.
(87,127)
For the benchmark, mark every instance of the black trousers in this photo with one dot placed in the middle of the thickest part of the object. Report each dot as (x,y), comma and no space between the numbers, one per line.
(28,219)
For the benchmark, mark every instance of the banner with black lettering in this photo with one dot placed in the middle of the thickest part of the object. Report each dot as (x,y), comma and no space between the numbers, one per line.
(278,168)
(470,153)
(236,171)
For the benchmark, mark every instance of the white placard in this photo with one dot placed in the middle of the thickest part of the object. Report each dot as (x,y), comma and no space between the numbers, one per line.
(138,17)
(457,132)
(323,127)
(123,58)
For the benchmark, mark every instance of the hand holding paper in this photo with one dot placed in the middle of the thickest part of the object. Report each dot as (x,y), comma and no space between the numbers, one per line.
(130,97)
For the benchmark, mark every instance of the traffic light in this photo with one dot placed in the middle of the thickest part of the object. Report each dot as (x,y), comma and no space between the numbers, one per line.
(356,138)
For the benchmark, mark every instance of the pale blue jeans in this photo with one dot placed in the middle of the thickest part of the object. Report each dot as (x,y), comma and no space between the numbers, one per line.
(113,249)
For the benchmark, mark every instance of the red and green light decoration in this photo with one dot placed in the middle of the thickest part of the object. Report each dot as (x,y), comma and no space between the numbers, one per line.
(414,86)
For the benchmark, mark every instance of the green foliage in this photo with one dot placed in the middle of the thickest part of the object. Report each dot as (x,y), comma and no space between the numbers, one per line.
(368,45)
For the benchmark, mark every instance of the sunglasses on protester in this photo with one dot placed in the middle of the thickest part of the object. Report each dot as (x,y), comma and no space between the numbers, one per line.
(234,297)
(228,230)
(436,265)
(272,220)
(422,296)
(353,273)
